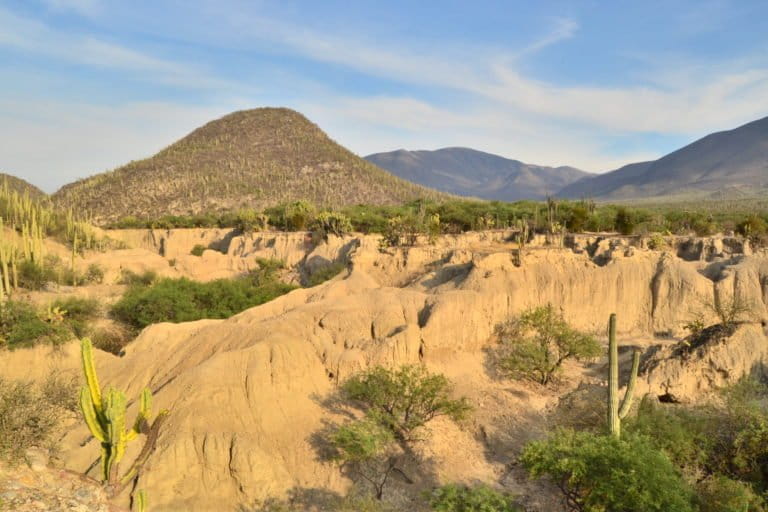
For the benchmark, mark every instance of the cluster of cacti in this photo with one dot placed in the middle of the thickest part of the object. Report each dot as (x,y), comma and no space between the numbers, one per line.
(105,416)
(9,256)
(618,411)
(522,235)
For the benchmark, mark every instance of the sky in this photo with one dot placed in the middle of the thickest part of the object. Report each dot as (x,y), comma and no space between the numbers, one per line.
(89,85)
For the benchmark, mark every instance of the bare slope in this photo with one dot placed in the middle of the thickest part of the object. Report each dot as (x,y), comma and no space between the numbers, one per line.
(733,162)
(254,158)
(468,172)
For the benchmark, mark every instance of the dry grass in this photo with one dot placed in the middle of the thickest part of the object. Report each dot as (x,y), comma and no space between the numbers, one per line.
(253,158)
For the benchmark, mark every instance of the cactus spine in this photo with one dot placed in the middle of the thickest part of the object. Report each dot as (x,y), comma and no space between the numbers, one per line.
(616,411)
(104,413)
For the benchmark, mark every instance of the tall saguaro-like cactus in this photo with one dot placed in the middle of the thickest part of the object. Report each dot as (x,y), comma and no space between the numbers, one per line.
(616,411)
(105,416)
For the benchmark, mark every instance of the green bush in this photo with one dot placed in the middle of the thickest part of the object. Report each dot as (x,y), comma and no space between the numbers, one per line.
(330,223)
(198,250)
(183,300)
(326,273)
(721,494)
(22,326)
(133,279)
(77,312)
(397,405)
(598,473)
(481,498)
(535,345)
(93,275)
(626,221)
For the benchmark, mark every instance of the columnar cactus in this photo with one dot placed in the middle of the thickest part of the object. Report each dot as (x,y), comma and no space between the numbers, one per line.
(522,238)
(616,413)
(105,417)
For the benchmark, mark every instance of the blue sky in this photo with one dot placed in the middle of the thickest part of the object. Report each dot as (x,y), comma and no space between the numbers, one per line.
(87,85)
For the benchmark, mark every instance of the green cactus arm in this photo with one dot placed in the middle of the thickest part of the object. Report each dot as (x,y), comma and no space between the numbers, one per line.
(86,406)
(142,419)
(105,464)
(626,404)
(115,413)
(89,370)
(141,501)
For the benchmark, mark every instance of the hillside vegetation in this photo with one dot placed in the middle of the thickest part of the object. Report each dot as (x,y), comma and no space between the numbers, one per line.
(255,158)
(21,186)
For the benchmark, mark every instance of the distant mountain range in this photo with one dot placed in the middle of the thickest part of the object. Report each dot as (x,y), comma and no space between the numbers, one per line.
(727,164)
(468,172)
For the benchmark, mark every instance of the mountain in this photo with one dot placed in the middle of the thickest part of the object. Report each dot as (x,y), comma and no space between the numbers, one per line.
(255,158)
(21,186)
(732,163)
(468,172)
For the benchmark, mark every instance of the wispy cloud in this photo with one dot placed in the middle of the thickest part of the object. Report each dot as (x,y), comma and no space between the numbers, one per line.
(83,7)
(27,35)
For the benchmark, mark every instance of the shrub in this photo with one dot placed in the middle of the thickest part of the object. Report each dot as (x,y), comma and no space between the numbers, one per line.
(77,312)
(536,344)
(657,242)
(29,414)
(730,309)
(752,226)
(93,275)
(248,220)
(182,300)
(198,250)
(577,220)
(397,404)
(133,279)
(721,494)
(325,273)
(330,223)
(625,221)
(459,498)
(112,340)
(22,326)
(597,473)
(34,276)
(404,400)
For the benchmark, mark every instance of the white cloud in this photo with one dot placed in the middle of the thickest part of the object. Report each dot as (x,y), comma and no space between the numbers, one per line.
(27,35)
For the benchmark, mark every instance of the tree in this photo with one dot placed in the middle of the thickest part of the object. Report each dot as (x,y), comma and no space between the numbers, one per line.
(396,404)
(536,344)
(625,221)
(598,473)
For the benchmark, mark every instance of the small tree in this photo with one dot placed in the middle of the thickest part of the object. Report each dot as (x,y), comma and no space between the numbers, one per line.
(397,405)
(536,344)
(730,309)
(599,473)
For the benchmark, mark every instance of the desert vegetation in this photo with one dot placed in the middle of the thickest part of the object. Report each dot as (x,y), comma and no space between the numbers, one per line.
(403,224)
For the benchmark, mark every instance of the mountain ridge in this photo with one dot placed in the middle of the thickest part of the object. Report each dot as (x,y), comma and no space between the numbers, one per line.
(735,159)
(470,172)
